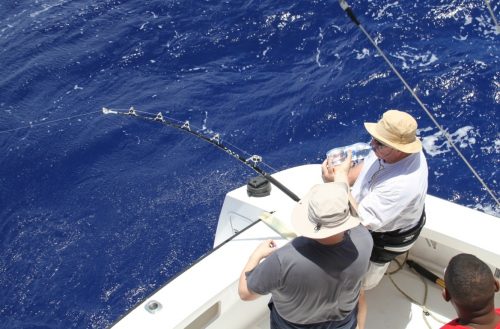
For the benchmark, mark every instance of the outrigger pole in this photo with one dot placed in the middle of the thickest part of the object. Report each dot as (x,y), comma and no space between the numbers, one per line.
(345,6)
(215,140)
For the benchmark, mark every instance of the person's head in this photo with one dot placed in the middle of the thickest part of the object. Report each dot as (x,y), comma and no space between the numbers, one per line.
(325,211)
(470,285)
(394,136)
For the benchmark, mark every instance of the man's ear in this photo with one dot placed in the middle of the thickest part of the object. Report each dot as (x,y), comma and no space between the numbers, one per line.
(446,295)
(497,285)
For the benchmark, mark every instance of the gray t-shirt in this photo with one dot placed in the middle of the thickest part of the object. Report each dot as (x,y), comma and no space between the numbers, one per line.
(311,282)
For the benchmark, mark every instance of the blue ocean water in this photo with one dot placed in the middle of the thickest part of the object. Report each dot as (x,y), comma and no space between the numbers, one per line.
(97,211)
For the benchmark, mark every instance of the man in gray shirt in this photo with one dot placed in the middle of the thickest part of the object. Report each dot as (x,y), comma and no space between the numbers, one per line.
(315,279)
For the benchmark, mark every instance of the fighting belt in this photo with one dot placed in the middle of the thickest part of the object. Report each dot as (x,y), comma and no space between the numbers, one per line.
(389,245)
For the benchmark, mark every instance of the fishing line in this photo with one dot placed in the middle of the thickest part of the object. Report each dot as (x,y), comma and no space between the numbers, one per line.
(31,125)
(215,140)
(345,6)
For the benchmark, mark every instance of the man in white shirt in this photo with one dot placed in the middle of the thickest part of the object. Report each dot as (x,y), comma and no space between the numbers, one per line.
(389,187)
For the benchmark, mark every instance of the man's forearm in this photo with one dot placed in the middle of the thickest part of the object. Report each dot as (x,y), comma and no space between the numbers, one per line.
(264,249)
(243,291)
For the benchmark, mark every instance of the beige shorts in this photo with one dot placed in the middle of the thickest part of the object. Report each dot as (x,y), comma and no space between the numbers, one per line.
(375,273)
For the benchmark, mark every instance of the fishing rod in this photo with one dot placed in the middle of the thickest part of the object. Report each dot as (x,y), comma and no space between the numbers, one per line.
(493,18)
(345,6)
(215,140)
(426,273)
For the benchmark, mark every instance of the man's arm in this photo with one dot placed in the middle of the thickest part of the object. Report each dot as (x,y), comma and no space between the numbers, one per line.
(261,252)
(346,174)
(354,173)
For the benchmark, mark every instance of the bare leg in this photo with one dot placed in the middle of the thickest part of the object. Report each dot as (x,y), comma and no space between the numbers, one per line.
(373,276)
(362,309)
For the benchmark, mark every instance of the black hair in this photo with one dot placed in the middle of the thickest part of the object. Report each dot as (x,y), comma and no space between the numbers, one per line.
(470,282)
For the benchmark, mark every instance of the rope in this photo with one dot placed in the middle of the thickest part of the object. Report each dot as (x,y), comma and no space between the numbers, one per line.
(48,122)
(350,13)
(425,311)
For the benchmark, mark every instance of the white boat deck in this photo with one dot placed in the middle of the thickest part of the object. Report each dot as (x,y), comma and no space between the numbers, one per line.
(214,304)
(206,296)
(389,308)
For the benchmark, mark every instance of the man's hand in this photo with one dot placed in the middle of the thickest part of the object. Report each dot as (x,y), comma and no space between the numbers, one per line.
(338,173)
(327,172)
(341,171)
(264,249)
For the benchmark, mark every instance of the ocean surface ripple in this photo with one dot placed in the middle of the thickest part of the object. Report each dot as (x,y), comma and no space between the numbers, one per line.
(98,211)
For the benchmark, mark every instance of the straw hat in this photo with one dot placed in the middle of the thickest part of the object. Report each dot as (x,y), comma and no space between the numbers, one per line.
(397,130)
(324,211)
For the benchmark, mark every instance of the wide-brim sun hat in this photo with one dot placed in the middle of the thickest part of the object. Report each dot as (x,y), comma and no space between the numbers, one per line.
(397,130)
(324,211)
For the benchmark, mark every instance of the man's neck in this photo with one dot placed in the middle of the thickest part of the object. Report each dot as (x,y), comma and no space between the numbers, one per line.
(331,240)
(482,319)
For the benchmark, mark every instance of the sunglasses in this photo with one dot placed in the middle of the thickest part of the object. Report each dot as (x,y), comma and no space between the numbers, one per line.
(377,144)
